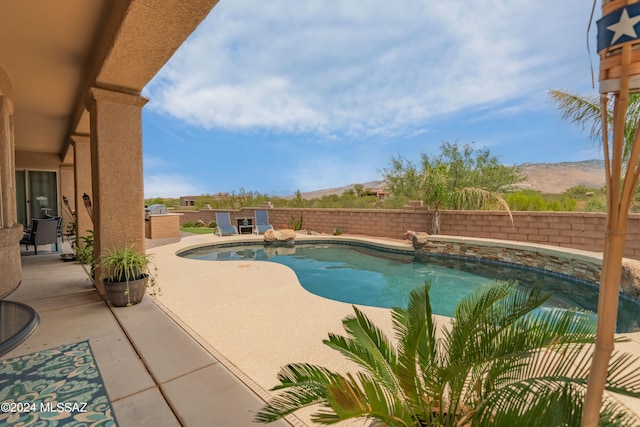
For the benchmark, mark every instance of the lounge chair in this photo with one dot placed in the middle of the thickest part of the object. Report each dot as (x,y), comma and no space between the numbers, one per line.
(43,232)
(223,222)
(262,222)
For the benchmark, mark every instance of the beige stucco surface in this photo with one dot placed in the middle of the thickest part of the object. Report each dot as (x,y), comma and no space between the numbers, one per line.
(10,264)
(258,316)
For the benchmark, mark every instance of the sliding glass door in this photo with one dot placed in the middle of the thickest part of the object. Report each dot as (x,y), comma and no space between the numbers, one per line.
(36,195)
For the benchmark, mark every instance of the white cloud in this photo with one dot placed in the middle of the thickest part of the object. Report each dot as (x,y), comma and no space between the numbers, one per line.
(170,185)
(365,68)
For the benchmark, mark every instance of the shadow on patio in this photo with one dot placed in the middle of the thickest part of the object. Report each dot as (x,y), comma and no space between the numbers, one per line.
(154,372)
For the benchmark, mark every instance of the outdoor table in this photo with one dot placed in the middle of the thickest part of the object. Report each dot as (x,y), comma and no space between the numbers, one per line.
(17,322)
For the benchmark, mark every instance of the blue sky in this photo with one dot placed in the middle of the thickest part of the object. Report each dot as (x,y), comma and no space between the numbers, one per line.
(288,95)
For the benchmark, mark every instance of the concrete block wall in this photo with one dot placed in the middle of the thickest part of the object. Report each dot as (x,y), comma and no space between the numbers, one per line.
(391,223)
(370,222)
(579,230)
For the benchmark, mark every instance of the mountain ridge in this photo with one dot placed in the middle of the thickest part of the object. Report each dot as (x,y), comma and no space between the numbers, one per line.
(552,178)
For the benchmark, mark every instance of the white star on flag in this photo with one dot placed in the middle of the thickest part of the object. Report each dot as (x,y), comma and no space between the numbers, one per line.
(624,27)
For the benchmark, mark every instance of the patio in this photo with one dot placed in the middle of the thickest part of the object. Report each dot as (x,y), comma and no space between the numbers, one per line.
(154,372)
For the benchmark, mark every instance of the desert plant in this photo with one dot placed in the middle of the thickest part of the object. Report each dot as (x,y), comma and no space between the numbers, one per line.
(500,363)
(83,248)
(295,224)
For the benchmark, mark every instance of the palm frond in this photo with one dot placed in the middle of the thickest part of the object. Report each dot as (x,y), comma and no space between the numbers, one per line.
(366,398)
(494,306)
(584,111)
(631,123)
(417,353)
(305,385)
(546,404)
(479,198)
(623,376)
(368,346)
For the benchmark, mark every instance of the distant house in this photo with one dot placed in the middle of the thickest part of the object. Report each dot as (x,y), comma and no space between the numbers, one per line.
(380,193)
(188,200)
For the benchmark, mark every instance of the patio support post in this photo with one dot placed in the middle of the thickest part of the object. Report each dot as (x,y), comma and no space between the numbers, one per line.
(116,163)
(83,182)
(7,164)
(10,229)
(67,185)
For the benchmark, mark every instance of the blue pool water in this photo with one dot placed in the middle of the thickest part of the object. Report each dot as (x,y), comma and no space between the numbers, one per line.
(364,275)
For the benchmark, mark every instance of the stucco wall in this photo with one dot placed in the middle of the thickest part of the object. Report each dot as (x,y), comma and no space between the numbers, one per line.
(10,263)
(37,161)
(577,230)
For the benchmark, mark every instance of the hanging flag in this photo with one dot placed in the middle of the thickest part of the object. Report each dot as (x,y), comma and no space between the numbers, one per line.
(620,26)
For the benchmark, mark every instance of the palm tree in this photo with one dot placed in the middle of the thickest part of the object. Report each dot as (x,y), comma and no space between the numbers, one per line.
(500,363)
(460,178)
(584,111)
(359,189)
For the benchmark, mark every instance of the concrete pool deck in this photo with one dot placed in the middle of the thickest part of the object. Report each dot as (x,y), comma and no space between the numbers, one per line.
(256,317)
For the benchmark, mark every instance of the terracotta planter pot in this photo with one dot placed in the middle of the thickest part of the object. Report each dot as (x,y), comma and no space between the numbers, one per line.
(118,295)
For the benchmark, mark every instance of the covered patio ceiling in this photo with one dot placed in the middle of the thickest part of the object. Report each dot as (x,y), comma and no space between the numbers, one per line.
(54,51)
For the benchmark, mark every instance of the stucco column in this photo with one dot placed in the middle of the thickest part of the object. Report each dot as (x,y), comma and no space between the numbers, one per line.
(7,164)
(67,183)
(10,230)
(116,163)
(82,182)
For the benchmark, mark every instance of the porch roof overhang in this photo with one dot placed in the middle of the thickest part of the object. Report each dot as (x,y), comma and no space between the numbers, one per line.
(54,51)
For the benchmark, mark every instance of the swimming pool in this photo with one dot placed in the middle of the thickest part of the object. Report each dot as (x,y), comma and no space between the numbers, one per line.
(363,274)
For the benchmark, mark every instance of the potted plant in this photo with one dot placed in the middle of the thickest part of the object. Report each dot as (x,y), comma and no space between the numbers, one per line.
(126,274)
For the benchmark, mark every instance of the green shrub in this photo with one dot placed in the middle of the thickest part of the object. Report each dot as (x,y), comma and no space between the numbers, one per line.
(526,200)
(595,205)
(578,191)
(531,200)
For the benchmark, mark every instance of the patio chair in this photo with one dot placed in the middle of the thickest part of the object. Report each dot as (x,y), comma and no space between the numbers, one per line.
(223,222)
(43,232)
(262,222)
(59,220)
